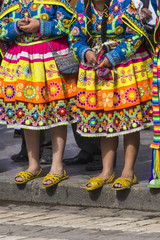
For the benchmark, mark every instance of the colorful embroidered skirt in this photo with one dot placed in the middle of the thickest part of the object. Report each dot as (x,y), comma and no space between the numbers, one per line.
(33,94)
(120,104)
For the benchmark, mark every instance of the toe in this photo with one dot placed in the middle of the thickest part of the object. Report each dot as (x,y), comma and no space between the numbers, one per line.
(48,182)
(18,179)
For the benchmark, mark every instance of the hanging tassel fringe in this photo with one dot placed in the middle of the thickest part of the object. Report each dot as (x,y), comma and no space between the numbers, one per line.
(155,168)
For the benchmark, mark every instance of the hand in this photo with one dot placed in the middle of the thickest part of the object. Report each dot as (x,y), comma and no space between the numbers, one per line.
(22,22)
(104,63)
(91,58)
(32,26)
(145,14)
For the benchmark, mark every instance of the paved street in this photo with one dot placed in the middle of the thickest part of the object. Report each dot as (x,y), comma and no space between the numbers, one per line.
(24,222)
(49,218)
(68,192)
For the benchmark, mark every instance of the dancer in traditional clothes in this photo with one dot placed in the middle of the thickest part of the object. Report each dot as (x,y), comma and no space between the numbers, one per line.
(33,94)
(114,82)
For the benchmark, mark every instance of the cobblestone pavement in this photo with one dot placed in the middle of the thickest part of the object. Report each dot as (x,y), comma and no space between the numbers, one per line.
(24,222)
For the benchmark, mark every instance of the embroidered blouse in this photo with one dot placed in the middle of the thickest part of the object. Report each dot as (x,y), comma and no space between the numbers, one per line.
(54,18)
(123,26)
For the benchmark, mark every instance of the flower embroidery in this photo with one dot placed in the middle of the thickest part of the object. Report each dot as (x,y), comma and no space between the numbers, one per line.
(92,122)
(9,91)
(116,121)
(5,21)
(80,18)
(44,17)
(119,30)
(29,92)
(11,19)
(26,13)
(98,26)
(131,95)
(91,100)
(93,18)
(129,30)
(138,44)
(137,16)
(59,15)
(139,116)
(34,6)
(1,110)
(35,115)
(47,7)
(75,31)
(150,111)
(116,8)
(81,98)
(62,111)
(110,18)
(66,22)
(20,113)
(74,108)
(9,113)
(116,99)
(54,89)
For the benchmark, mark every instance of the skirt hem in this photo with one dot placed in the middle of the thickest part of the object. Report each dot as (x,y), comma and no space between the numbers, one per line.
(115,134)
(37,128)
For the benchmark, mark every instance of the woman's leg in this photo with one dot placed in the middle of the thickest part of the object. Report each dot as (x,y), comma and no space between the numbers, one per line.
(32,144)
(108,151)
(131,147)
(58,136)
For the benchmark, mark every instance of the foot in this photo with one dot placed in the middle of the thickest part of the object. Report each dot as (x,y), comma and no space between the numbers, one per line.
(125,174)
(118,185)
(154,183)
(104,177)
(53,179)
(98,182)
(57,172)
(33,171)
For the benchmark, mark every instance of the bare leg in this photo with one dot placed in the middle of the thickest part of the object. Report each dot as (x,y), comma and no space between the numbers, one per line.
(58,136)
(32,144)
(131,147)
(108,151)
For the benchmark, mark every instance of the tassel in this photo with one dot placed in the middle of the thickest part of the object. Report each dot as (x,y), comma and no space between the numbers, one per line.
(155,168)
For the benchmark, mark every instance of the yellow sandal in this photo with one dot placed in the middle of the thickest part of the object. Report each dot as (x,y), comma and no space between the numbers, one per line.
(27,176)
(97,182)
(55,178)
(125,182)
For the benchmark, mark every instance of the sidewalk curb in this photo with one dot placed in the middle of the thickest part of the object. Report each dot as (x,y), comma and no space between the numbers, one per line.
(66,193)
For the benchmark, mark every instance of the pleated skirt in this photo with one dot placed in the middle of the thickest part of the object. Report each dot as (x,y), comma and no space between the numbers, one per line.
(33,94)
(120,104)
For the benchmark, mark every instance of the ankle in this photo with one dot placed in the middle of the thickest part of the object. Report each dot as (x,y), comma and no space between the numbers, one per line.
(33,170)
(105,175)
(56,170)
(127,174)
